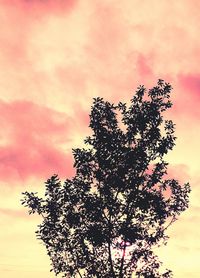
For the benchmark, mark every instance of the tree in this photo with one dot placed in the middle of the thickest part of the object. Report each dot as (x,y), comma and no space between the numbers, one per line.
(105,221)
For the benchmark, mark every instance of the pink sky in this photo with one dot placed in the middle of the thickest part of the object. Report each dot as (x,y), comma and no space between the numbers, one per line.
(55,56)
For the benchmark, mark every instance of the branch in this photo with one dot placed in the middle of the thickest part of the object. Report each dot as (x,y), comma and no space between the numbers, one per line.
(171,221)
(71,251)
(109,247)
(110,259)
(74,260)
(122,260)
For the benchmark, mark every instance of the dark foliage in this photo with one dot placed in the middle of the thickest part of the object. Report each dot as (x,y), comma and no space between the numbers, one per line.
(105,221)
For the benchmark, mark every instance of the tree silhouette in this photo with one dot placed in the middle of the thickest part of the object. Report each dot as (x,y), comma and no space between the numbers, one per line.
(105,221)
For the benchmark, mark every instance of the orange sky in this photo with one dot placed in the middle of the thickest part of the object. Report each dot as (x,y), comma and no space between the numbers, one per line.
(54,57)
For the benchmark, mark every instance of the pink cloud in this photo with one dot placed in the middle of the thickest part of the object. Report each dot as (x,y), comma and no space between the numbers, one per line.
(109,62)
(144,69)
(191,83)
(39,7)
(20,78)
(112,61)
(19,16)
(186,98)
(31,139)
(33,161)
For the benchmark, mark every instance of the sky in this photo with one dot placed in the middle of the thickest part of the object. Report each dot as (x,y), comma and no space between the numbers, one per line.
(55,56)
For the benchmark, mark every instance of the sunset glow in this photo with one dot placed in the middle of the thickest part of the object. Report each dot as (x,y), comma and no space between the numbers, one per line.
(55,56)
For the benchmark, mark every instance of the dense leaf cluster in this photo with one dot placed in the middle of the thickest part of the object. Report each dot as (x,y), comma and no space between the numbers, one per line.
(105,221)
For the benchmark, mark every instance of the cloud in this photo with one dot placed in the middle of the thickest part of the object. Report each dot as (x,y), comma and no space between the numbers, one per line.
(185,97)
(35,141)
(53,51)
(191,84)
(55,56)
(40,7)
